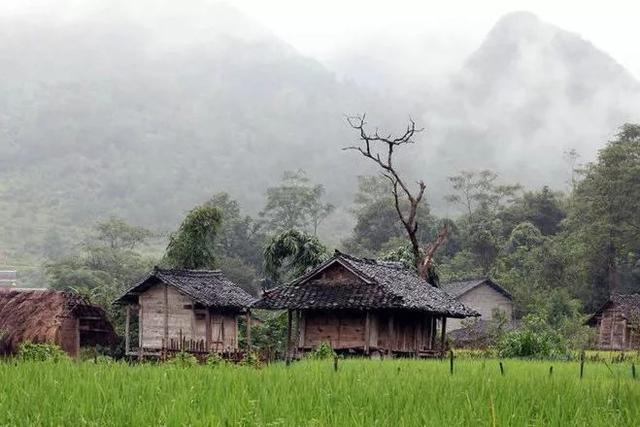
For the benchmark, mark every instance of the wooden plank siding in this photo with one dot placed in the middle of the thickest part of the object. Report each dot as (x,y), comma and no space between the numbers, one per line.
(615,331)
(401,331)
(169,315)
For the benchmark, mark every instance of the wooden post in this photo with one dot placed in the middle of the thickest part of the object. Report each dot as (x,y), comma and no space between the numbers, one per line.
(166,313)
(222,331)
(444,331)
(416,338)
(140,333)
(367,331)
(613,325)
(390,334)
(77,339)
(434,333)
(207,330)
(127,322)
(289,321)
(193,319)
(249,331)
(302,328)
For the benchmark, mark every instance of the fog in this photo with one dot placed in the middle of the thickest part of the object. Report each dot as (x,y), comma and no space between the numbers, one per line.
(143,109)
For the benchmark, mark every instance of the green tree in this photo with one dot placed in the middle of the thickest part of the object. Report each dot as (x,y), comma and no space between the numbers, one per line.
(479,191)
(101,269)
(377,221)
(239,235)
(295,204)
(118,234)
(291,253)
(544,209)
(193,245)
(604,218)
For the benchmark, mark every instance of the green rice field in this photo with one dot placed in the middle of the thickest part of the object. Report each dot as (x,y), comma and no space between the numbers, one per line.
(311,393)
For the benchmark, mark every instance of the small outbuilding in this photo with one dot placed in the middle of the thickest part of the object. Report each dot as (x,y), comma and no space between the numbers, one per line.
(363,305)
(618,323)
(190,310)
(483,295)
(48,316)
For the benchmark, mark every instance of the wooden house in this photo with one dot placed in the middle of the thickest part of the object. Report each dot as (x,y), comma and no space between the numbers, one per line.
(47,316)
(484,296)
(362,306)
(192,310)
(618,323)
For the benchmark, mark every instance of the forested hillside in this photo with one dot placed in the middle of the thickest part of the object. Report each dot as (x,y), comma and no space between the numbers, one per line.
(103,116)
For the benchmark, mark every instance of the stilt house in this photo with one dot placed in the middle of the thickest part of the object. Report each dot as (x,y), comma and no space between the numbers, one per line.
(48,316)
(618,323)
(363,305)
(191,310)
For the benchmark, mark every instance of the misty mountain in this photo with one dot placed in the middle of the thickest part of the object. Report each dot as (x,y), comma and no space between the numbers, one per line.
(108,115)
(99,118)
(527,94)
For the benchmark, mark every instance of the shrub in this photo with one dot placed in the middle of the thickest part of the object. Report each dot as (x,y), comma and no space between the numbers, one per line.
(215,359)
(534,339)
(41,353)
(322,352)
(251,359)
(183,360)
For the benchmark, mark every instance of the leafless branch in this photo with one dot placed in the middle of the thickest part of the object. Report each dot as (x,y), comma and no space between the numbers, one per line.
(380,150)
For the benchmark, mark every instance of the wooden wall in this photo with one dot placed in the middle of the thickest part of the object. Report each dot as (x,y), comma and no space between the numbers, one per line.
(614,331)
(407,332)
(68,336)
(182,319)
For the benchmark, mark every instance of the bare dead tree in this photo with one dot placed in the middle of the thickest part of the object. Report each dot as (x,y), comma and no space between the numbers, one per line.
(380,149)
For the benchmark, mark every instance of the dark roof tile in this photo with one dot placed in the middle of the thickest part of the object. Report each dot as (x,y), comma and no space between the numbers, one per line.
(383,285)
(207,287)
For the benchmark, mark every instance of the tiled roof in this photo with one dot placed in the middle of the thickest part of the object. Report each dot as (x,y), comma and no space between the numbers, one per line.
(207,287)
(380,285)
(457,289)
(626,304)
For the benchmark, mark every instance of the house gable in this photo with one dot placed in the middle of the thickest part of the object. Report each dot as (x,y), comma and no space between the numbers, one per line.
(484,298)
(335,273)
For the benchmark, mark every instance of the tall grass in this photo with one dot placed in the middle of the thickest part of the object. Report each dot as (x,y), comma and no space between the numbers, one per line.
(311,393)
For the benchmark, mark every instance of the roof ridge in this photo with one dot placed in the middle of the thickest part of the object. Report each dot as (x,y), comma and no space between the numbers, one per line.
(372,261)
(157,269)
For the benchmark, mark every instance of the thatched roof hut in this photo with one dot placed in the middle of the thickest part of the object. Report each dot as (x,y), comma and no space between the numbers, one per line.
(48,316)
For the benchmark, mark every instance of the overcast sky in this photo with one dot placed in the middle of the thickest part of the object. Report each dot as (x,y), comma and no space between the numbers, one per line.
(323,27)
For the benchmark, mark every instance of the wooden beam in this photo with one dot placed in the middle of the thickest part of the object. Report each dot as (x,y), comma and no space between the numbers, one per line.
(289,321)
(193,321)
(444,332)
(140,333)
(127,327)
(77,339)
(416,337)
(367,331)
(613,325)
(302,329)
(249,330)
(434,332)
(166,315)
(222,331)
(207,330)
(390,334)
